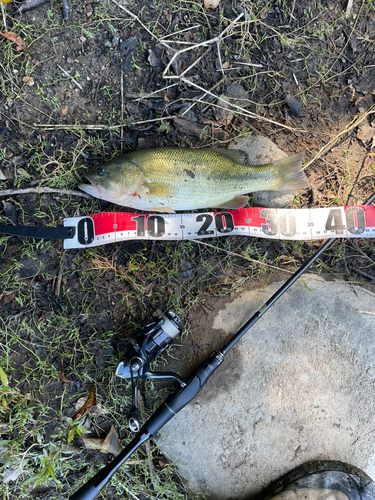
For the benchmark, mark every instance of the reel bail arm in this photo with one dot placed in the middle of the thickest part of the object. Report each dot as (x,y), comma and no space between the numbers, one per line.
(154,339)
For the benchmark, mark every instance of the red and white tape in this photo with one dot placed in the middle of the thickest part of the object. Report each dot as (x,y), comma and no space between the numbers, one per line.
(279,224)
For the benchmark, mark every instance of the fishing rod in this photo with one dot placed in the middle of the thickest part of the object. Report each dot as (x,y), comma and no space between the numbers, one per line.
(156,338)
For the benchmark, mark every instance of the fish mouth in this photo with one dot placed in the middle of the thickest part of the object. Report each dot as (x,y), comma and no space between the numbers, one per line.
(91,188)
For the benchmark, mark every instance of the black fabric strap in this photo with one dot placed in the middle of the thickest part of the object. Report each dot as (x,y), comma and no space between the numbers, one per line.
(44,233)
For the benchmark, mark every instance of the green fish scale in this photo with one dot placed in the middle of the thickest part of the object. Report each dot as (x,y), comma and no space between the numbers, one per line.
(197,175)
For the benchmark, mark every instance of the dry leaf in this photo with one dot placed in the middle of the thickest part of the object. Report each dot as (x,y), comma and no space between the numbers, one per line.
(29,80)
(88,405)
(21,45)
(160,462)
(5,298)
(61,374)
(211,4)
(111,444)
(99,410)
(93,443)
(2,176)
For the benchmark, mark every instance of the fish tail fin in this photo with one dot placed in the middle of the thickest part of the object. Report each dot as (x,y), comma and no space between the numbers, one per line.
(288,173)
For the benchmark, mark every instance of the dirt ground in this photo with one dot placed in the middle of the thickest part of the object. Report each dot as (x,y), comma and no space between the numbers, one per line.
(92,87)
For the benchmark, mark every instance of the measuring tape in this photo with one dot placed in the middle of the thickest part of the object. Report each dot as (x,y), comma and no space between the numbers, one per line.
(278,224)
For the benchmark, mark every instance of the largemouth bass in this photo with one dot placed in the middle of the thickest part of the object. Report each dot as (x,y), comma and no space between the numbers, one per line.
(170,179)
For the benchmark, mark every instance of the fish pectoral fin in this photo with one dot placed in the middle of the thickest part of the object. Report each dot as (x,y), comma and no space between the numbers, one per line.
(166,210)
(234,203)
(235,155)
(159,189)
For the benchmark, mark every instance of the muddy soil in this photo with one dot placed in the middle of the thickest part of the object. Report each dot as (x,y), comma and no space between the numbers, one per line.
(82,305)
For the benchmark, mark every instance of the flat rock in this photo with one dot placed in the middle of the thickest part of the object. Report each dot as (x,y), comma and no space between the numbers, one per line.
(260,151)
(299,386)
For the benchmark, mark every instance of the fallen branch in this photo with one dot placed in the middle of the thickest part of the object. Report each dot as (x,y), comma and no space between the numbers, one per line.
(40,190)
(48,126)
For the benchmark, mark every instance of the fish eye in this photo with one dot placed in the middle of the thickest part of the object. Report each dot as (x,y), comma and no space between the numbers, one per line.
(101,171)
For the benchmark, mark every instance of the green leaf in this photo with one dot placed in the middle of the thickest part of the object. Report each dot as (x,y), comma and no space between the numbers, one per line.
(30,480)
(52,474)
(3,377)
(71,435)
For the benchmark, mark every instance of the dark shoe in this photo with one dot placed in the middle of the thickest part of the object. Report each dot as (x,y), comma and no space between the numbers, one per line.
(324,480)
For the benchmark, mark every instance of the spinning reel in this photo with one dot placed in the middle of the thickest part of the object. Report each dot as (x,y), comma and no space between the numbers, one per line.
(154,339)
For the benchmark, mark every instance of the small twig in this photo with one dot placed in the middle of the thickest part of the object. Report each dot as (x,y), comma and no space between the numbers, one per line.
(362,273)
(180,31)
(202,44)
(245,111)
(329,145)
(253,65)
(40,190)
(31,106)
(219,54)
(58,283)
(137,19)
(72,78)
(292,11)
(365,312)
(355,245)
(245,257)
(48,126)
(202,97)
(4,18)
(155,92)
(194,63)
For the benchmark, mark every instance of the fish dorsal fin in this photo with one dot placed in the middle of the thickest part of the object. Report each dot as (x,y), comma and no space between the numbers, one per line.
(235,155)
